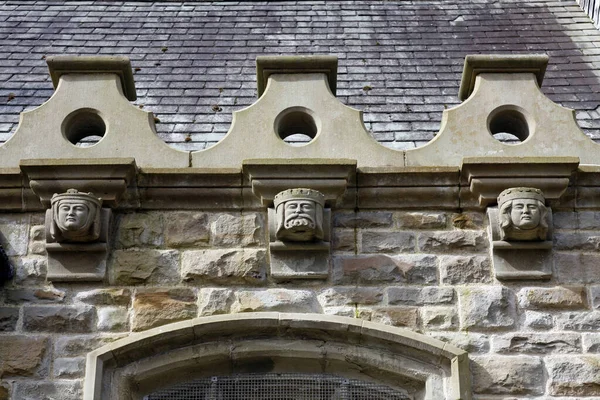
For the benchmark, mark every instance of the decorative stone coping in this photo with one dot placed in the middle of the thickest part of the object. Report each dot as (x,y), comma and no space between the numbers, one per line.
(119,65)
(171,351)
(476,64)
(269,65)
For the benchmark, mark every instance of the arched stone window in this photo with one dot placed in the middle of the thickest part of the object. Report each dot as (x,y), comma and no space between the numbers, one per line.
(341,354)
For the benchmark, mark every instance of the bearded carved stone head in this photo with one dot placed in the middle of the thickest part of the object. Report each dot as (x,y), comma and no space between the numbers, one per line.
(523,214)
(299,215)
(76,217)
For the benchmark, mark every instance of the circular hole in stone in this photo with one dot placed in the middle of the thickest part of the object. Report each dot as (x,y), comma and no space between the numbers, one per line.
(508,125)
(297,126)
(84,127)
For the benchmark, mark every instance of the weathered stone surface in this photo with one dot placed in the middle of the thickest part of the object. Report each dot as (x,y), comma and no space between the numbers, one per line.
(23,356)
(577,240)
(105,297)
(344,296)
(342,311)
(387,242)
(574,375)
(4,391)
(415,296)
(80,345)
(470,342)
(373,269)
(468,220)
(591,342)
(460,270)
(37,241)
(564,298)
(29,270)
(543,343)
(282,300)
(213,301)
(186,228)
(63,319)
(395,316)
(63,390)
(507,375)
(577,220)
(579,321)
(486,307)
(363,219)
(421,220)
(343,240)
(155,307)
(14,233)
(452,241)
(595,296)
(439,318)
(8,318)
(142,229)
(132,267)
(576,267)
(113,319)
(538,320)
(69,368)
(224,266)
(35,295)
(235,230)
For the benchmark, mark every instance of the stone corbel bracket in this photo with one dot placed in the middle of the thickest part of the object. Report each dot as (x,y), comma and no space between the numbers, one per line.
(485,177)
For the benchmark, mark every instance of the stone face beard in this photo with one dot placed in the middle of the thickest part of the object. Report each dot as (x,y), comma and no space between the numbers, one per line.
(72,216)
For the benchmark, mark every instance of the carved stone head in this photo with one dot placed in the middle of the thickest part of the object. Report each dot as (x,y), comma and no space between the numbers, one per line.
(299,215)
(523,214)
(76,217)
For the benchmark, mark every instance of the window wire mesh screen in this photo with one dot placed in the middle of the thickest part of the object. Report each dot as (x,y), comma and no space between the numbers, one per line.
(278,387)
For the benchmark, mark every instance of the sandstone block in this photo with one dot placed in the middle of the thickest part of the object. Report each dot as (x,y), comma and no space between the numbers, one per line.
(112,319)
(342,311)
(563,298)
(452,241)
(282,300)
(46,390)
(213,301)
(387,242)
(574,375)
(343,240)
(439,318)
(542,343)
(421,220)
(460,270)
(37,241)
(344,296)
(62,319)
(395,316)
(224,266)
(15,233)
(23,356)
(595,296)
(155,307)
(486,307)
(374,269)
(363,219)
(8,318)
(407,295)
(186,228)
(4,391)
(35,295)
(141,229)
(105,297)
(80,345)
(69,368)
(468,220)
(132,267)
(579,321)
(579,240)
(538,320)
(591,342)
(235,230)
(470,342)
(503,375)
(29,270)
(565,220)
(577,267)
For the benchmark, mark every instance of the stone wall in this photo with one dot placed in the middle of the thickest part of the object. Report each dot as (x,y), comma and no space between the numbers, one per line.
(429,272)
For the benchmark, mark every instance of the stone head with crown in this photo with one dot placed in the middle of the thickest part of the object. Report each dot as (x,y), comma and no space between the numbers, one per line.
(523,214)
(76,217)
(299,215)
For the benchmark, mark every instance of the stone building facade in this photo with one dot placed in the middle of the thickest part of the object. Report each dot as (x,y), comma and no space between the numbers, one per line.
(400,269)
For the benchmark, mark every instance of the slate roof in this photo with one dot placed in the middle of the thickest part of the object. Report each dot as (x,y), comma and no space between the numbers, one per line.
(399,61)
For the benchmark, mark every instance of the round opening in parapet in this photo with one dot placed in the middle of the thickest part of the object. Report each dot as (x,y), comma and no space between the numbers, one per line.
(297,126)
(508,124)
(84,127)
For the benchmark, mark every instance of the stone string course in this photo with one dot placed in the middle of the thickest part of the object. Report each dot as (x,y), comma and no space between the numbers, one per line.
(429,272)
(399,61)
